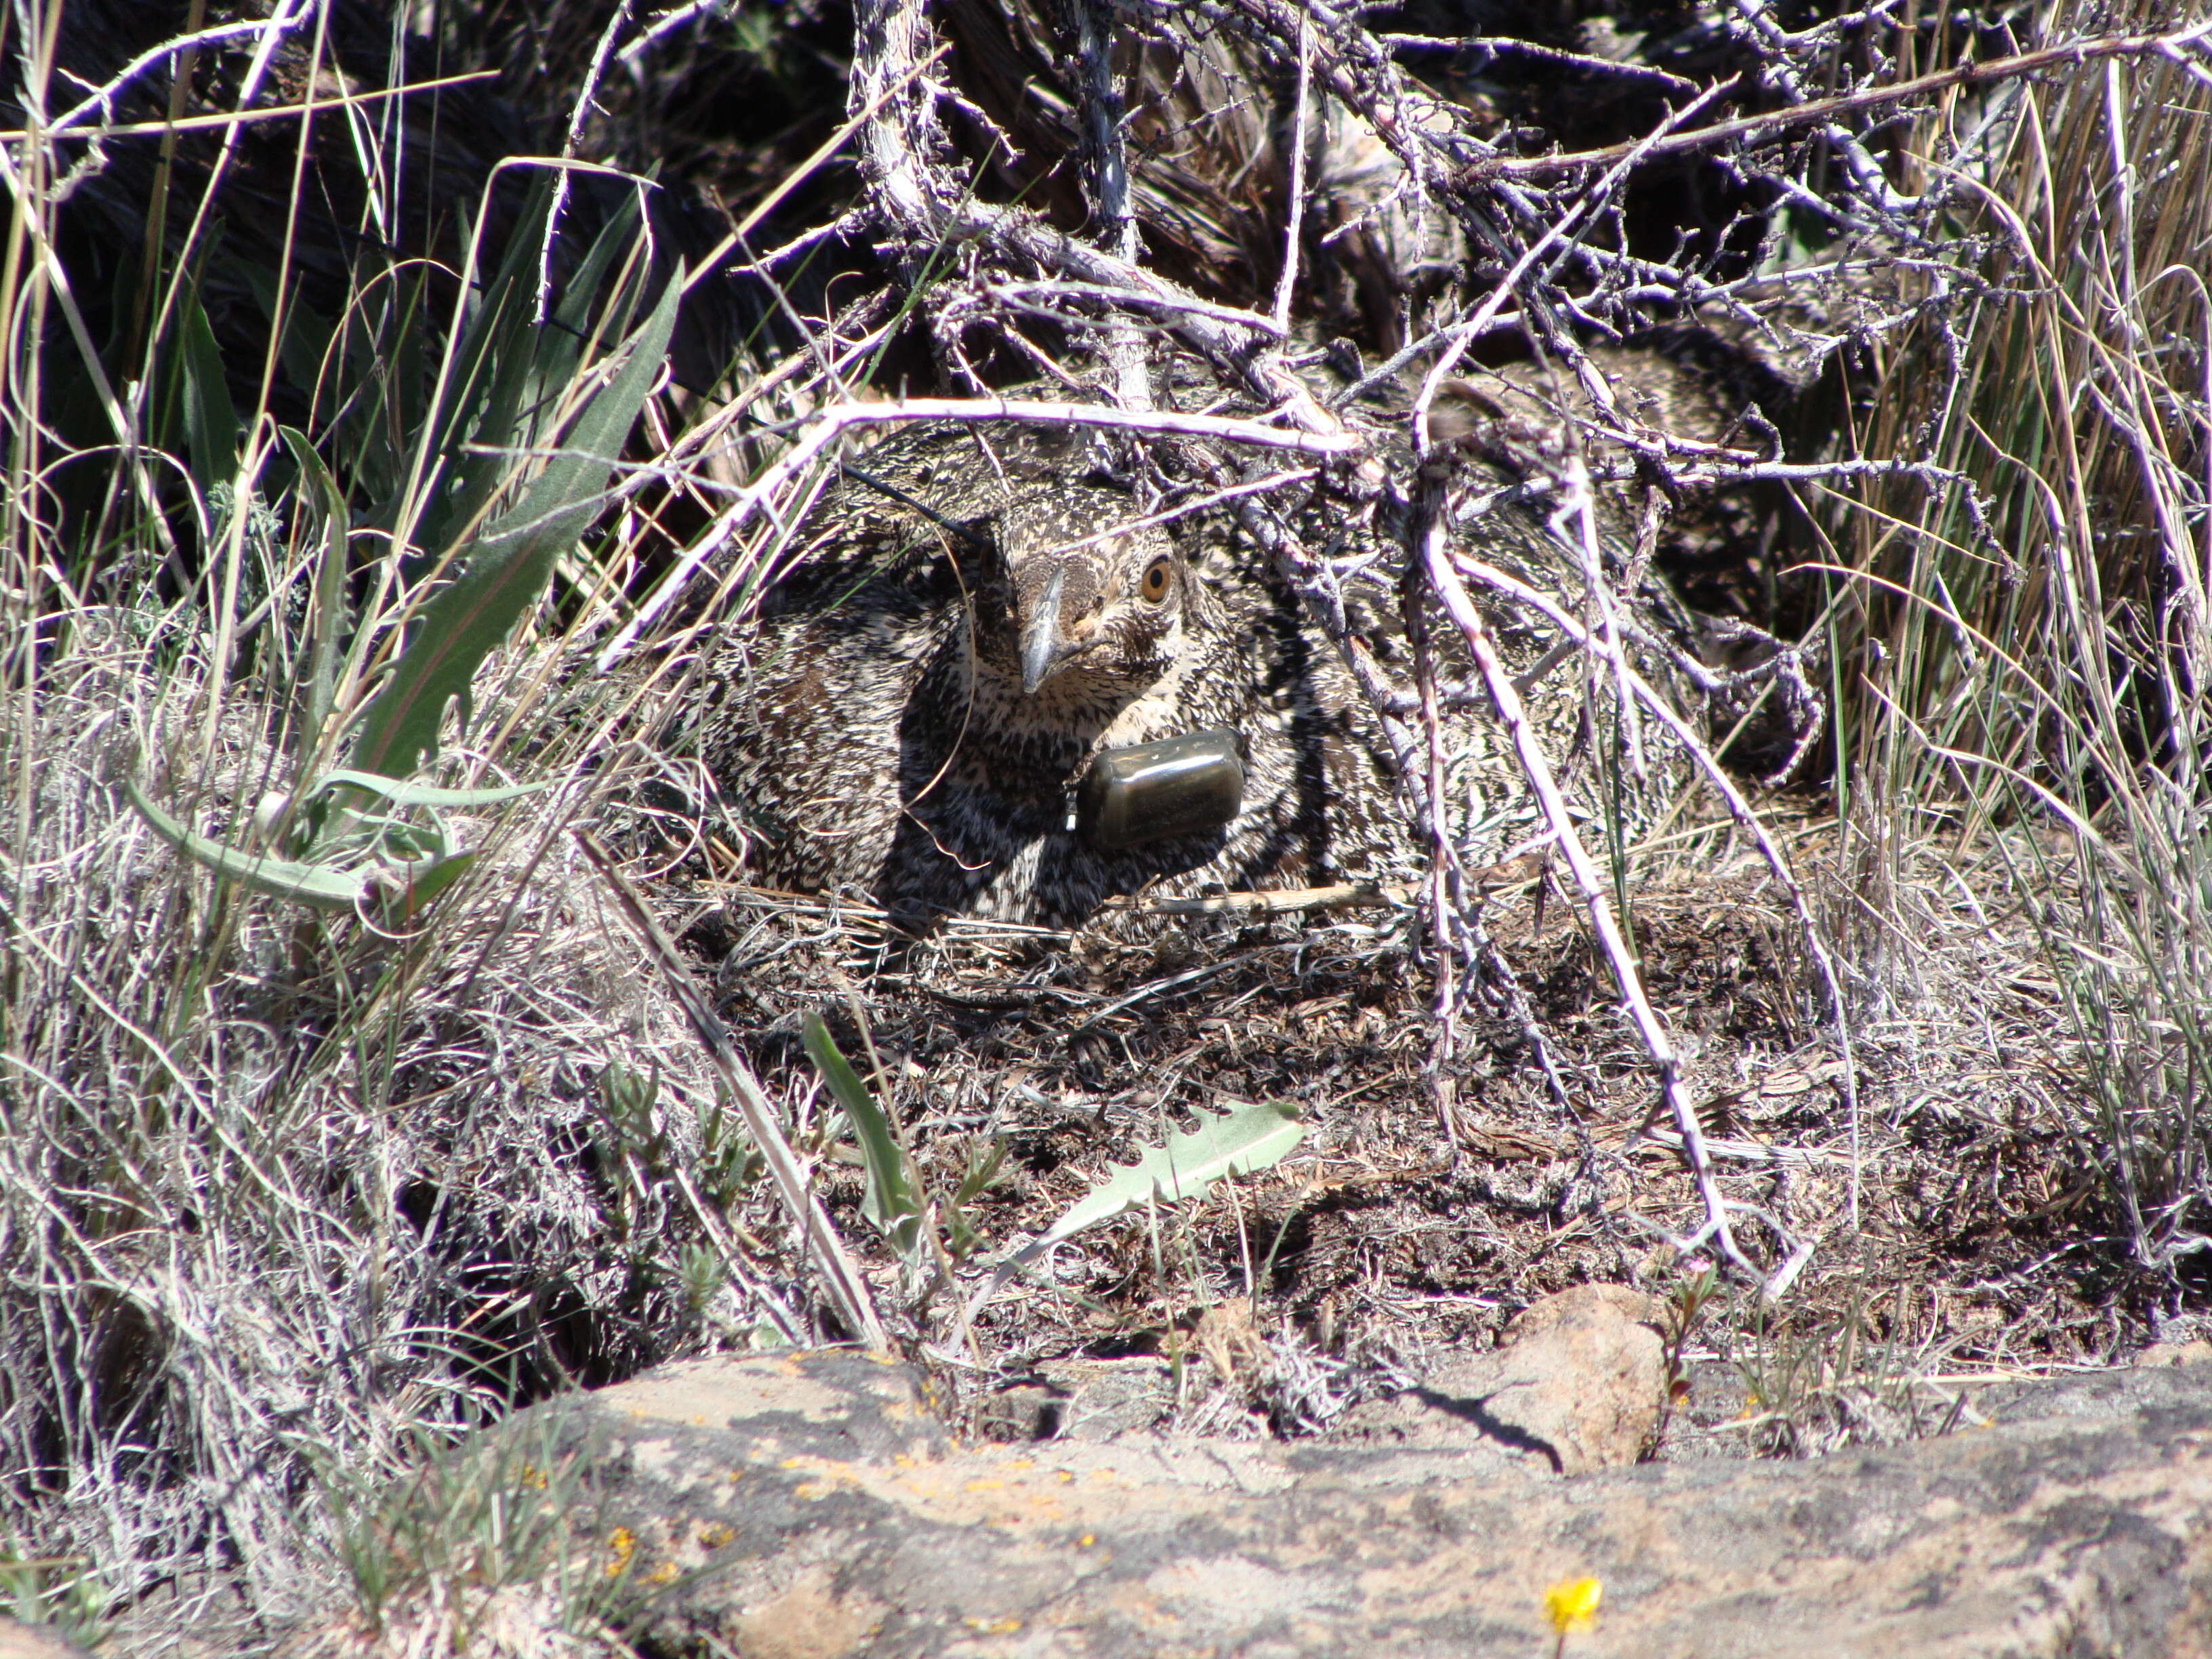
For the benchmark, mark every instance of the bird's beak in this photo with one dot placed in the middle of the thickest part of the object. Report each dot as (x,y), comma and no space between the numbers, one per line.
(1042,649)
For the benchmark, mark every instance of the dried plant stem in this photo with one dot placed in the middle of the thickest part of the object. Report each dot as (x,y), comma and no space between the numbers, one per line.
(824,428)
(1753,129)
(1739,809)
(1536,768)
(848,1291)
(579,113)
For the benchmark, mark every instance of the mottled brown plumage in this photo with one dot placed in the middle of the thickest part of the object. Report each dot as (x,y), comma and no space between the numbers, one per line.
(910,713)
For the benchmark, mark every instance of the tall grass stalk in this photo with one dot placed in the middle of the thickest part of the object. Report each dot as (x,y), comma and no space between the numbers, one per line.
(2036,652)
(287,1188)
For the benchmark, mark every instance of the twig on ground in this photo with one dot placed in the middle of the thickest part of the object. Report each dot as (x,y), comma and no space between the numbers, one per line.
(1536,768)
(1740,811)
(848,1291)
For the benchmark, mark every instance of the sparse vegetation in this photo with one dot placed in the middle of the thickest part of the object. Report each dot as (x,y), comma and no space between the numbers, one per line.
(369,486)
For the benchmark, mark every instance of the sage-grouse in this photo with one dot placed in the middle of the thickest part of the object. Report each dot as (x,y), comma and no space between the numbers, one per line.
(975,626)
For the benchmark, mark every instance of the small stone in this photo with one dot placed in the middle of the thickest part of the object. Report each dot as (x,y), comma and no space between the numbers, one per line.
(2194,1353)
(1578,1380)
(19,1641)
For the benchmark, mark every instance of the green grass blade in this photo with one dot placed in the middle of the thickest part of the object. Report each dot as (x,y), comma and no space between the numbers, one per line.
(419,882)
(310,883)
(894,1201)
(489,406)
(210,417)
(326,612)
(400,793)
(509,566)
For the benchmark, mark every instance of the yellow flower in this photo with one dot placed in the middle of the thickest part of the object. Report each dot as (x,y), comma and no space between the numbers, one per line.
(1572,1603)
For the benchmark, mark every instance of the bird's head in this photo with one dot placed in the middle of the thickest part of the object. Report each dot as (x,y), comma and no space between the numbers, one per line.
(1096,603)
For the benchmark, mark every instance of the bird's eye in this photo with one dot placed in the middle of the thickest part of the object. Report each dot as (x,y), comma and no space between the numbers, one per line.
(1154,587)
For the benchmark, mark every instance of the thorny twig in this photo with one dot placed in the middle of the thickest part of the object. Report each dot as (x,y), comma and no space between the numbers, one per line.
(825,427)
(1760,129)
(586,95)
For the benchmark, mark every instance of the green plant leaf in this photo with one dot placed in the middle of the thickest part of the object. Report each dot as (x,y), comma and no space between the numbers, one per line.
(487,404)
(507,370)
(507,569)
(422,794)
(310,884)
(211,418)
(326,611)
(1254,1136)
(894,1200)
(413,886)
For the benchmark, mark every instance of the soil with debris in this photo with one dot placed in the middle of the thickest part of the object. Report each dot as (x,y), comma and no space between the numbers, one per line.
(1431,1201)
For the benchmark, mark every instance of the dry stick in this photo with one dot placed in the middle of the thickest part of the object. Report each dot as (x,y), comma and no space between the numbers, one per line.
(1581,507)
(1584,207)
(831,422)
(1490,46)
(245,118)
(847,1289)
(1537,769)
(125,439)
(1015,294)
(790,181)
(1279,902)
(1423,132)
(1204,503)
(667,23)
(1866,172)
(920,200)
(1430,517)
(578,114)
(1280,314)
(1108,177)
(700,440)
(1755,128)
(1447,885)
(1316,583)
(1739,809)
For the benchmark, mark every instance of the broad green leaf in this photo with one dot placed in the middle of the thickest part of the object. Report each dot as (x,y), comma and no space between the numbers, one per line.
(308,332)
(507,569)
(894,1200)
(486,404)
(1250,1137)
(310,883)
(508,370)
(211,418)
(572,321)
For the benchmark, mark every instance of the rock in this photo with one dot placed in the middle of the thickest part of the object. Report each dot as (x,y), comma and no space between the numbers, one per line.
(2176,1353)
(833,1403)
(1087,1400)
(19,1641)
(747,1505)
(1579,1380)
